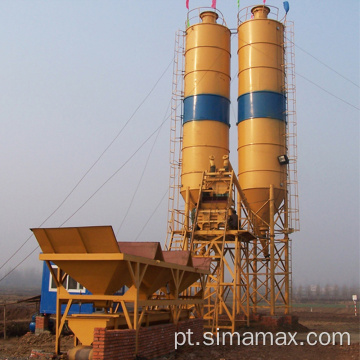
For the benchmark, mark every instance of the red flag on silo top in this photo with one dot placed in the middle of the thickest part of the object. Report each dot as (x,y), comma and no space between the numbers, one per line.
(187,4)
(264,1)
(213,5)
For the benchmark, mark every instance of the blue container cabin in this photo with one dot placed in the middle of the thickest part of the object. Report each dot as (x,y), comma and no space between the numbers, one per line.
(48,294)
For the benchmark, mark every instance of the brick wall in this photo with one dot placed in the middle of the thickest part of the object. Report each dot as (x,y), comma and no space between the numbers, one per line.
(154,341)
(41,355)
(41,324)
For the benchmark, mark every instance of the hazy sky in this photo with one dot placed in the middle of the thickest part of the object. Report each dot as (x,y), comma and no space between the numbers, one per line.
(72,73)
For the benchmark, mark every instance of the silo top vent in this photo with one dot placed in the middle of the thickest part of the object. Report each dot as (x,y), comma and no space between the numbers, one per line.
(209,17)
(260,12)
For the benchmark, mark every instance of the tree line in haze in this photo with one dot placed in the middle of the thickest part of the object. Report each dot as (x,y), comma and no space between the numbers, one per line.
(337,292)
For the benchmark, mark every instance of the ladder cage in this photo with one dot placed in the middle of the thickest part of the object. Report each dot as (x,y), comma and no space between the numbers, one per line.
(291,134)
(175,218)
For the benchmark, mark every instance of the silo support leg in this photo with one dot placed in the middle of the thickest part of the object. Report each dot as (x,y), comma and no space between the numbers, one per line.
(287,277)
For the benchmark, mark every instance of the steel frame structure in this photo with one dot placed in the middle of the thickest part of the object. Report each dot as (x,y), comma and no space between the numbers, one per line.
(249,271)
(269,264)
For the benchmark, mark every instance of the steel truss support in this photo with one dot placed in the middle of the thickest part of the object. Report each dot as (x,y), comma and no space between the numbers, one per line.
(269,265)
(227,290)
(250,270)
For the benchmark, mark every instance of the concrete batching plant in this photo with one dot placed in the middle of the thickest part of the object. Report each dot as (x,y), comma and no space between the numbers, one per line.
(242,222)
(228,250)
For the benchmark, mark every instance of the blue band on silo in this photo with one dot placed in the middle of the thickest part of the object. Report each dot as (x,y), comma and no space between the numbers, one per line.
(262,104)
(207,107)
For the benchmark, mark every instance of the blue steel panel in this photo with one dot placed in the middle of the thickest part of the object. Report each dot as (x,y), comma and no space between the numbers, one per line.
(48,298)
(262,104)
(207,107)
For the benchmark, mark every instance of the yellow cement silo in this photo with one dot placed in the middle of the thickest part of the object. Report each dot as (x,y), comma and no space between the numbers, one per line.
(261,111)
(206,100)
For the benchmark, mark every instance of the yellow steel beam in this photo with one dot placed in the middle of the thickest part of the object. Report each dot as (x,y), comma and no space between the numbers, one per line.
(62,322)
(52,272)
(170,302)
(126,314)
(118,257)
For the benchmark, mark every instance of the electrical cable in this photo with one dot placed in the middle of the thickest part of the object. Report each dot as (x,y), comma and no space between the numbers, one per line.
(162,198)
(93,165)
(321,62)
(21,246)
(136,151)
(142,174)
(116,172)
(14,268)
(328,92)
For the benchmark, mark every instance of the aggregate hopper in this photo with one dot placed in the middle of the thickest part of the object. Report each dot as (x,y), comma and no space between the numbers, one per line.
(93,257)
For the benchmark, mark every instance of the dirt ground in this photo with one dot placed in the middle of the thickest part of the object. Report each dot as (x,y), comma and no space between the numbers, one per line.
(318,319)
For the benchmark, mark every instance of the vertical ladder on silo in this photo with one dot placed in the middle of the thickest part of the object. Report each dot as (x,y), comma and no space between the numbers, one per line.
(175,218)
(291,143)
(291,133)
